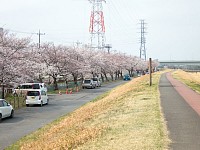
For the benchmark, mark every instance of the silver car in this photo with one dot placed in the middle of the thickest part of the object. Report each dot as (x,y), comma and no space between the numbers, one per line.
(97,82)
(88,83)
(6,110)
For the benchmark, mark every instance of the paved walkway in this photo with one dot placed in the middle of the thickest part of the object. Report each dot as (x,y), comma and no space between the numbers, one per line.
(181,108)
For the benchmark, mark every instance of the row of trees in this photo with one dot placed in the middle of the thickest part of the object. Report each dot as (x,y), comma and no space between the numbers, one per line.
(21,61)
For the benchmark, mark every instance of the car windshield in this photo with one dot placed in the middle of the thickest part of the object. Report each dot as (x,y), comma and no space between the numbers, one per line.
(36,86)
(33,93)
(95,79)
(32,86)
(87,81)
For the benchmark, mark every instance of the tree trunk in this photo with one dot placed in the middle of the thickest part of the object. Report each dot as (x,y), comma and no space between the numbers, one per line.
(66,82)
(129,72)
(121,75)
(75,79)
(112,76)
(55,83)
(49,82)
(115,75)
(3,92)
(40,79)
(106,76)
(118,73)
(132,74)
(102,78)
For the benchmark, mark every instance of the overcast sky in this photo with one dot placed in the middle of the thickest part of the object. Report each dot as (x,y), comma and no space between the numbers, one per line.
(173,26)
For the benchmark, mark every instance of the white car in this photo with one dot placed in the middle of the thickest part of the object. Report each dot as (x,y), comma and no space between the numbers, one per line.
(6,110)
(36,97)
(97,82)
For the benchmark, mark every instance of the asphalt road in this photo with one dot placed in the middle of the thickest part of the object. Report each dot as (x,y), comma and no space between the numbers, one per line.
(29,119)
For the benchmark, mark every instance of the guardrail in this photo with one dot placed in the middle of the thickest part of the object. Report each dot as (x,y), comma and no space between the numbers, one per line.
(186,70)
(16,100)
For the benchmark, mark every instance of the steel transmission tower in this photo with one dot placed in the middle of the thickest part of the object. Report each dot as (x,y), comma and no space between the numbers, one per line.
(142,40)
(97,27)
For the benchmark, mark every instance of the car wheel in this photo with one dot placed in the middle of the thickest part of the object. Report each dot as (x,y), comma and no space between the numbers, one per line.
(27,105)
(0,117)
(12,114)
(41,104)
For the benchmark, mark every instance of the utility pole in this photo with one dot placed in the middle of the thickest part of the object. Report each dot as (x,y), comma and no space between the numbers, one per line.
(39,34)
(142,40)
(77,44)
(97,27)
(150,71)
(108,46)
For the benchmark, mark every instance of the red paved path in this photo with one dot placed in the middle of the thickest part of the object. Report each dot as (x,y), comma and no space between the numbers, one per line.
(190,96)
(180,106)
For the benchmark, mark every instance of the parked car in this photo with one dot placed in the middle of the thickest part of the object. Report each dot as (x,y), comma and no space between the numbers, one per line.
(97,82)
(88,83)
(24,87)
(36,97)
(6,110)
(127,77)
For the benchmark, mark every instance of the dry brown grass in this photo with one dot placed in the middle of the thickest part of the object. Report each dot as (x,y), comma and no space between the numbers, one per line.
(135,122)
(128,117)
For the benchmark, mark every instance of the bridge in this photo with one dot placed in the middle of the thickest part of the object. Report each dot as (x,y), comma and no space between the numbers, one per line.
(187,64)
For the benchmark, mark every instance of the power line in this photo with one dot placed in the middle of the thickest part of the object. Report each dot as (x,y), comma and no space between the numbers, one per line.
(23,32)
(31,33)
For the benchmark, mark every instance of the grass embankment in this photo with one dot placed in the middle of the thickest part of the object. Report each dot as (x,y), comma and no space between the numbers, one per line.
(128,117)
(191,79)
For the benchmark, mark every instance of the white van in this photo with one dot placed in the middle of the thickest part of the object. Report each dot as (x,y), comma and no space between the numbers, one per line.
(38,97)
(24,87)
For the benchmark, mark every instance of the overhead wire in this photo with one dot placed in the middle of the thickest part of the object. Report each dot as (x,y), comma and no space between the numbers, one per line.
(16,31)
(122,30)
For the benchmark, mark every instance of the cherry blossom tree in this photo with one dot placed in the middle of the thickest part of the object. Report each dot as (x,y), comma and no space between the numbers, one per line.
(51,56)
(21,61)
(11,50)
(34,68)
